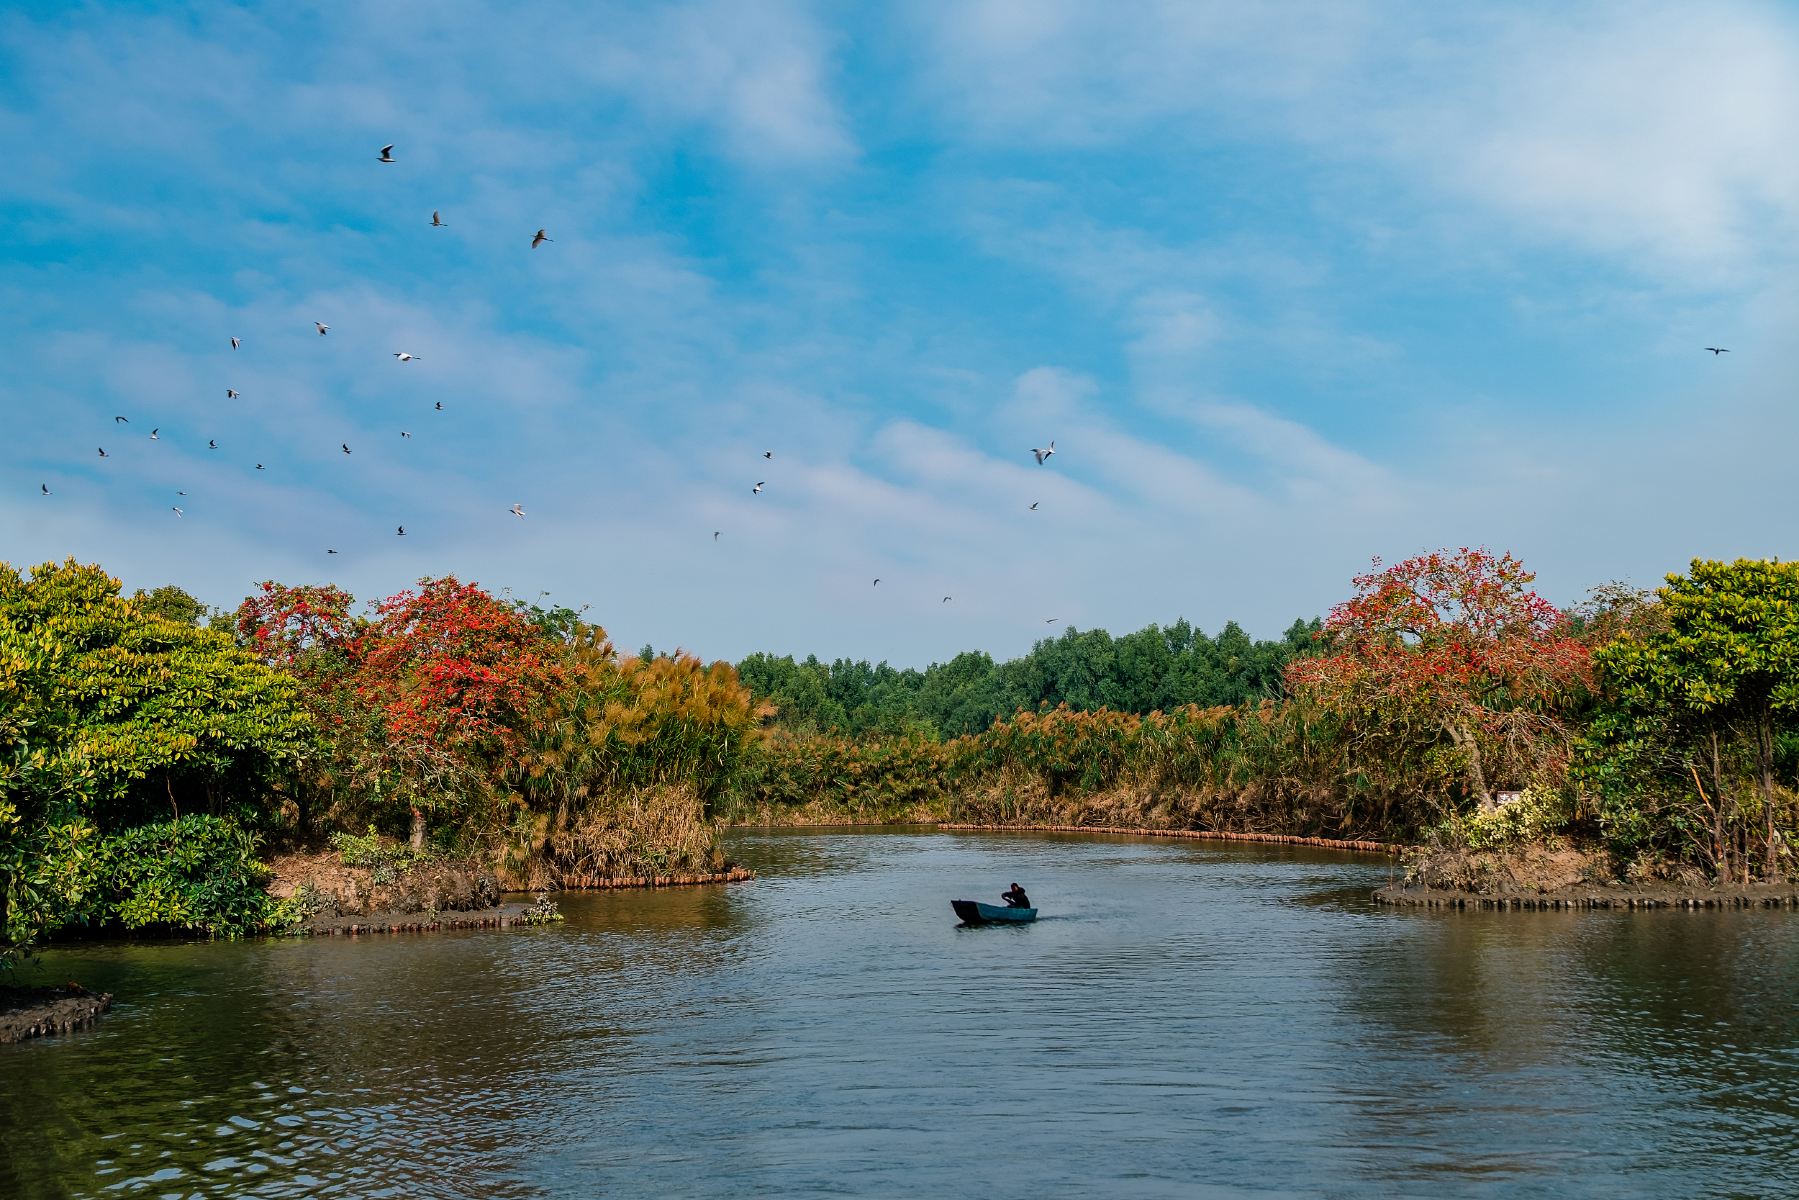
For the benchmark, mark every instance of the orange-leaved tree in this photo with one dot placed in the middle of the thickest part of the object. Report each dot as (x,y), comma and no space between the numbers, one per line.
(454,674)
(429,698)
(1452,664)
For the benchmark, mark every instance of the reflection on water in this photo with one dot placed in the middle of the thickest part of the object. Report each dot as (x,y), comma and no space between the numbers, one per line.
(1184,1020)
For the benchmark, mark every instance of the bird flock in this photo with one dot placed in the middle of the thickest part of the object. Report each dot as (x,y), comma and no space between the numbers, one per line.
(403,357)
(1042,454)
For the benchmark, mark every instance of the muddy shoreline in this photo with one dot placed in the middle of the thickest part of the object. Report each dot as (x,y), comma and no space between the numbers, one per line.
(1771,895)
(47,1011)
(499,916)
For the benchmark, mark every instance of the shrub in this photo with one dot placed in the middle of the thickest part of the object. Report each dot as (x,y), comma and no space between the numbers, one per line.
(198,874)
(1538,814)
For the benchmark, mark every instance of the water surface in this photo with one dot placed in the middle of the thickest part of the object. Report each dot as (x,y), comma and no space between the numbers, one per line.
(1185,1020)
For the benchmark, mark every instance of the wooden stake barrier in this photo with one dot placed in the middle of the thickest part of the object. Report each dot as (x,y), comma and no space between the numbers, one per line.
(1280,839)
(594,883)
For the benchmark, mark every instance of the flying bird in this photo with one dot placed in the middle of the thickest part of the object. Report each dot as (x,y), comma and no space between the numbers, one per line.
(176,508)
(715,535)
(45,488)
(404,434)
(346,446)
(259,466)
(181,493)
(440,406)
(103,453)
(1051,620)
(757,490)
(211,444)
(517,510)
(322,327)
(876,583)
(154,432)
(540,238)
(402,530)
(1044,453)
(1034,505)
(330,552)
(234,343)
(1716,350)
(437,222)
(768,454)
(121,420)
(405,357)
(232,393)
(947,599)
(387,153)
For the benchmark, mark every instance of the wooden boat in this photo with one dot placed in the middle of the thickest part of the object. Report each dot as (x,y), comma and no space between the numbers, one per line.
(973,912)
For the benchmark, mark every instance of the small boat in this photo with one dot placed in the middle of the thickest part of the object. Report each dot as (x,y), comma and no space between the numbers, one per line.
(973,912)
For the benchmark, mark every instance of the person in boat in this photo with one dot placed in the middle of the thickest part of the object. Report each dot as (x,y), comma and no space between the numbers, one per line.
(1015,897)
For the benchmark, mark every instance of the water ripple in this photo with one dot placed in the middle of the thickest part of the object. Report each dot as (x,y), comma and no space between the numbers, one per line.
(1184,1020)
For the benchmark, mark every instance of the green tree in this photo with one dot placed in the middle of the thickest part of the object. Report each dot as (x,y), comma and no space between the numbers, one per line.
(171,603)
(1728,658)
(111,716)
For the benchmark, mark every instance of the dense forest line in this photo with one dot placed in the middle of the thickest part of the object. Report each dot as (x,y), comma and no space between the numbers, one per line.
(1147,671)
(152,754)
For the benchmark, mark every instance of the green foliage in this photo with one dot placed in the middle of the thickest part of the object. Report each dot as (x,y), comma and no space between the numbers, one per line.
(198,874)
(112,716)
(1696,715)
(542,911)
(1537,815)
(171,604)
(1152,669)
(387,861)
(1260,766)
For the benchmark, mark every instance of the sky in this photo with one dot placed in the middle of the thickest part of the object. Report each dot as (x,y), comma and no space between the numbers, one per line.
(1290,286)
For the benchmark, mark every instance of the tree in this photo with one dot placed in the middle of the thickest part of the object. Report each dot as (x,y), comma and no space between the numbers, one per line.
(1455,646)
(452,673)
(111,716)
(1727,657)
(171,603)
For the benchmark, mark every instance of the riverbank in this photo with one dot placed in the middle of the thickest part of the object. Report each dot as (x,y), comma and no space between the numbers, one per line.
(1356,846)
(45,1011)
(331,920)
(1618,895)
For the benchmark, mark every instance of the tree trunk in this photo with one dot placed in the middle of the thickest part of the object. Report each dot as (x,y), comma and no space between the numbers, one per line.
(1764,753)
(418,829)
(1720,821)
(1477,775)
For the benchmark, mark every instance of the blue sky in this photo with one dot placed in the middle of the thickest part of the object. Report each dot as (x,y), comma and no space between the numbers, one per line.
(1290,287)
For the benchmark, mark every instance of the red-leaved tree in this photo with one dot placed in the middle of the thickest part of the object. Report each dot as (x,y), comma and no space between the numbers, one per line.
(1452,651)
(428,699)
(453,674)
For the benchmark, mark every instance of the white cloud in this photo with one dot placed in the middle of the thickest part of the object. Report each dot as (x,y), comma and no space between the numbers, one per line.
(1660,134)
(757,73)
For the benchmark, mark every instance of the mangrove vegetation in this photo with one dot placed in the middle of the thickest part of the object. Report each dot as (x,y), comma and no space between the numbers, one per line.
(154,756)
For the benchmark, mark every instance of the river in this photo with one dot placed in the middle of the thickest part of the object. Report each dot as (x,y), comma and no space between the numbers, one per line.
(1186,1019)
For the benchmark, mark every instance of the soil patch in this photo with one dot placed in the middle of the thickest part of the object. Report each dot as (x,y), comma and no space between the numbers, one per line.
(41,1012)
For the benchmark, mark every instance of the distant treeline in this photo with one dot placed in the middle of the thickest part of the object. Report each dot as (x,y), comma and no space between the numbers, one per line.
(1155,669)
(146,758)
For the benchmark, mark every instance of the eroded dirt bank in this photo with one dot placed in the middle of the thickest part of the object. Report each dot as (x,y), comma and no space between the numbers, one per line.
(1558,875)
(43,1011)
